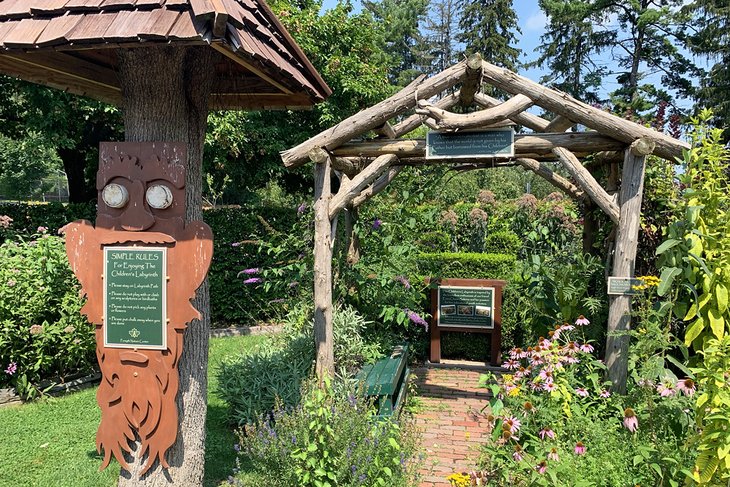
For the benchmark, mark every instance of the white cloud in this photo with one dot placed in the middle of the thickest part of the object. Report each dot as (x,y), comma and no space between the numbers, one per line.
(536,21)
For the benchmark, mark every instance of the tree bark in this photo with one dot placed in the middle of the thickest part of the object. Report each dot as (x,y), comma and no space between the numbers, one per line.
(74,165)
(165,98)
(624,260)
(353,241)
(368,175)
(323,331)
(444,120)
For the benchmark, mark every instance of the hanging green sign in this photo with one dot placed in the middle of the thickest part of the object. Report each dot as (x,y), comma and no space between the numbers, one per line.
(466,307)
(134,297)
(481,143)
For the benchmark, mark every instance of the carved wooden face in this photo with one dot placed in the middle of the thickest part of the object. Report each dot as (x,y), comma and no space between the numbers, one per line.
(140,189)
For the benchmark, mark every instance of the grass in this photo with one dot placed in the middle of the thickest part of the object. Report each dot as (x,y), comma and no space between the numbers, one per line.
(52,442)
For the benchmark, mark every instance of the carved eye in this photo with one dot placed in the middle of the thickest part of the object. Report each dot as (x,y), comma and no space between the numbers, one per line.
(115,195)
(159,196)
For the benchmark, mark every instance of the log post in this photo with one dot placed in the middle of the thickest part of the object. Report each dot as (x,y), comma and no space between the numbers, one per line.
(323,331)
(619,310)
(472,80)
(353,242)
(588,183)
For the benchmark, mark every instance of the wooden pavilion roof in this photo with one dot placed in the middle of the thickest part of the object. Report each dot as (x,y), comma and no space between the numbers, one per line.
(71,45)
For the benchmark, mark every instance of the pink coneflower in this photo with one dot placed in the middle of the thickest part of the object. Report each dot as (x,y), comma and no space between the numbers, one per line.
(547,433)
(549,386)
(517,455)
(511,424)
(553,455)
(566,327)
(586,347)
(582,392)
(511,364)
(515,353)
(541,467)
(605,394)
(631,423)
(687,386)
(580,448)
(528,407)
(666,389)
(582,320)
(12,367)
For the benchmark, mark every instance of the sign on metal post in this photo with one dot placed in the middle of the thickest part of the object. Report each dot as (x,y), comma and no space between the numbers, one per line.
(134,297)
(470,144)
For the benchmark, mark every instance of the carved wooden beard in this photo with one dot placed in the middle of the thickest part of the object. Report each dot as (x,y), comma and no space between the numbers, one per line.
(141,203)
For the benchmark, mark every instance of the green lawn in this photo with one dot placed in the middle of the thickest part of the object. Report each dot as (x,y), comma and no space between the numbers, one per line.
(52,442)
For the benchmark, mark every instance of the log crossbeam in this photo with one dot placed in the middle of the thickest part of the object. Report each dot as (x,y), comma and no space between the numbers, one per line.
(357,184)
(443,120)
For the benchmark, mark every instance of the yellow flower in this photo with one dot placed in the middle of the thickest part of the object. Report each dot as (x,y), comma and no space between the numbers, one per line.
(514,392)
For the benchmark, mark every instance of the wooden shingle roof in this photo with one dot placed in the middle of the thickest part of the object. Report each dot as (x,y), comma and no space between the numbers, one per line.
(71,44)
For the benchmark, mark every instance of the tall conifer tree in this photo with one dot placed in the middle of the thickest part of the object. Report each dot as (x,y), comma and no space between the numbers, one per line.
(489,27)
(569,48)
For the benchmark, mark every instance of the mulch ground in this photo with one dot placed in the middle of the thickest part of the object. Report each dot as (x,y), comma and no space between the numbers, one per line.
(450,418)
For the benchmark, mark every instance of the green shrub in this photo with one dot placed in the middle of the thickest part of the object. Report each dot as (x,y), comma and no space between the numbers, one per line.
(504,242)
(466,266)
(27,217)
(435,242)
(42,332)
(332,439)
(252,384)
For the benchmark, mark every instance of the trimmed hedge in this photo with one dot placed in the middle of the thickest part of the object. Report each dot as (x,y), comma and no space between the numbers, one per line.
(466,265)
(504,242)
(237,235)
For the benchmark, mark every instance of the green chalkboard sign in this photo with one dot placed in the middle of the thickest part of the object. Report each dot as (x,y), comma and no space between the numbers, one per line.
(482,143)
(135,298)
(623,286)
(466,307)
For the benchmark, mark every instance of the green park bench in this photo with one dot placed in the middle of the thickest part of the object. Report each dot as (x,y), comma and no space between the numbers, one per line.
(387,381)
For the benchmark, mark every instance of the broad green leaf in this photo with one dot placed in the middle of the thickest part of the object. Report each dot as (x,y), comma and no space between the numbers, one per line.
(694,331)
(691,313)
(721,296)
(666,245)
(667,278)
(717,322)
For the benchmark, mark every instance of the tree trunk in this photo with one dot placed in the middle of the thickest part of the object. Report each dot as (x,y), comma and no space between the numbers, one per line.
(165,98)
(353,241)
(74,165)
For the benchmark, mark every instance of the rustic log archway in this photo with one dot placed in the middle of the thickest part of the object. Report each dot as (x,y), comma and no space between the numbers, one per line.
(369,166)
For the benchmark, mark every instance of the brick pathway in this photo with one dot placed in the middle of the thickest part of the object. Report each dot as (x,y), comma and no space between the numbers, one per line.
(452,426)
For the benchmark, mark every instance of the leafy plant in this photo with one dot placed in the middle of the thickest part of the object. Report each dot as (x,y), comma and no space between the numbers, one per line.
(696,270)
(252,384)
(43,335)
(331,439)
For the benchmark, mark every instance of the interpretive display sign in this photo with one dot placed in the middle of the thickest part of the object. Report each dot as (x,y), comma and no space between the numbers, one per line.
(623,286)
(466,305)
(134,297)
(470,144)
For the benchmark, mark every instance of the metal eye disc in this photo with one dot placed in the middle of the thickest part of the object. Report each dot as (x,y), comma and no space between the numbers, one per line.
(115,195)
(159,196)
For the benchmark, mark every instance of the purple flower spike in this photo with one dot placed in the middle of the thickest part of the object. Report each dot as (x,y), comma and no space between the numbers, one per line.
(415,318)
(251,271)
(377,223)
(252,280)
(301,209)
